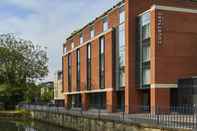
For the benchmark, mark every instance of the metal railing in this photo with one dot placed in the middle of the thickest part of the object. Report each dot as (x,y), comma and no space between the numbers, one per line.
(183,117)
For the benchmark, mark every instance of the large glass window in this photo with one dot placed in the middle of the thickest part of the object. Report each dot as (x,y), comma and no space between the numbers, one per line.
(105,23)
(102,61)
(69,72)
(78,69)
(121,47)
(145,35)
(121,35)
(89,67)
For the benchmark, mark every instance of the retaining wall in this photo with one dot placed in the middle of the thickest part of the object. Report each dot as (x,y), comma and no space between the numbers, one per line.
(84,123)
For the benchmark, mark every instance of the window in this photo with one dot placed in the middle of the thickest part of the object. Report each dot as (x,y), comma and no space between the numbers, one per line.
(146,53)
(122,77)
(97,100)
(146,76)
(69,72)
(121,48)
(81,38)
(102,62)
(121,42)
(65,50)
(76,101)
(144,49)
(92,32)
(78,69)
(145,19)
(121,15)
(145,31)
(72,45)
(145,23)
(105,24)
(89,56)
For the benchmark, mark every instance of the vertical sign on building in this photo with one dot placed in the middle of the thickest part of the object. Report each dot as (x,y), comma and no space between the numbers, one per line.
(160,24)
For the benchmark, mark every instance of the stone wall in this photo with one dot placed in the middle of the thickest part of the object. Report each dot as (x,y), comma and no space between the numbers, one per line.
(91,124)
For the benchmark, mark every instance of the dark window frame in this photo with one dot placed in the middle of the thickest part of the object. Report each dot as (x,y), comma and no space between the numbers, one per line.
(69,72)
(102,72)
(78,68)
(89,66)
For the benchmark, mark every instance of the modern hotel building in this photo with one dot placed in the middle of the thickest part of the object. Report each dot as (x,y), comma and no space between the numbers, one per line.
(131,56)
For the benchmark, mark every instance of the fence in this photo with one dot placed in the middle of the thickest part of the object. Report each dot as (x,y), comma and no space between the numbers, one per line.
(184,117)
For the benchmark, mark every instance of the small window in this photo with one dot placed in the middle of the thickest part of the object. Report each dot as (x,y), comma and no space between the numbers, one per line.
(89,51)
(121,15)
(146,76)
(145,19)
(72,45)
(146,53)
(65,50)
(105,23)
(122,77)
(146,32)
(81,38)
(92,32)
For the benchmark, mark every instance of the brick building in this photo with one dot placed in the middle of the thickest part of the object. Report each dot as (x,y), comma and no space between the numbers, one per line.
(131,56)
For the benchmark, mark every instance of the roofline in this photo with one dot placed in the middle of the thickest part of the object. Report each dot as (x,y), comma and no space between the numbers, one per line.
(121,3)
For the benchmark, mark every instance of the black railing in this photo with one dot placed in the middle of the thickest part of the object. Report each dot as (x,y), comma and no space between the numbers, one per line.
(184,117)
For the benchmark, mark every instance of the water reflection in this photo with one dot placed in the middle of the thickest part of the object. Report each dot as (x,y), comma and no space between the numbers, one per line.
(11,125)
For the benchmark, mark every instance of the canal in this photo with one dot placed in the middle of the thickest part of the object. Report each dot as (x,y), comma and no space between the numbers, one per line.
(13,125)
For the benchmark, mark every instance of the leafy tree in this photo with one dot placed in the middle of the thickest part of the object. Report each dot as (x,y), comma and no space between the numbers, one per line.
(47,96)
(32,94)
(21,64)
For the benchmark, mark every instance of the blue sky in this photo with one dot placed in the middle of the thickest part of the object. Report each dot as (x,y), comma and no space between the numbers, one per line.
(49,22)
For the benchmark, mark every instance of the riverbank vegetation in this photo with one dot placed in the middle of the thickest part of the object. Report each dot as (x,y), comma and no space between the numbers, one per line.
(22,64)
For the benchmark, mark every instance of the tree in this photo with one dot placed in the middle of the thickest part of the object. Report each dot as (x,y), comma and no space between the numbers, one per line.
(32,94)
(21,64)
(47,96)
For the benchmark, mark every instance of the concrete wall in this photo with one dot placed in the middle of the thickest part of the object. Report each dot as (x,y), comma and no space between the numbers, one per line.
(91,124)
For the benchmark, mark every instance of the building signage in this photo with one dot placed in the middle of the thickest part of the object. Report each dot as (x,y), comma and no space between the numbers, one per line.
(160,24)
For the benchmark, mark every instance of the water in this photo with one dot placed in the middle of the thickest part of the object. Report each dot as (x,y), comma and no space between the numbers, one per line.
(13,125)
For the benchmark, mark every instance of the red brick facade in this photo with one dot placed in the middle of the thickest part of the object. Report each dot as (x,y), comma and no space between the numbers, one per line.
(173,29)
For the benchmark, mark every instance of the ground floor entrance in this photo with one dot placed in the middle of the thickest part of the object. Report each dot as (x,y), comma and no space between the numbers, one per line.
(120,101)
(145,101)
(76,101)
(97,100)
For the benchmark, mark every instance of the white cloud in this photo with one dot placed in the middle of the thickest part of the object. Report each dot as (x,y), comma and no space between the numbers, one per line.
(50,22)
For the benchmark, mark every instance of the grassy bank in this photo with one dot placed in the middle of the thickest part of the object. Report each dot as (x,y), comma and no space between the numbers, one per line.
(15,114)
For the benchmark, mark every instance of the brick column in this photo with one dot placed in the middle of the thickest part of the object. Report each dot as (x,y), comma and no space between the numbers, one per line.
(65,101)
(111,101)
(84,98)
(131,93)
(160,100)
